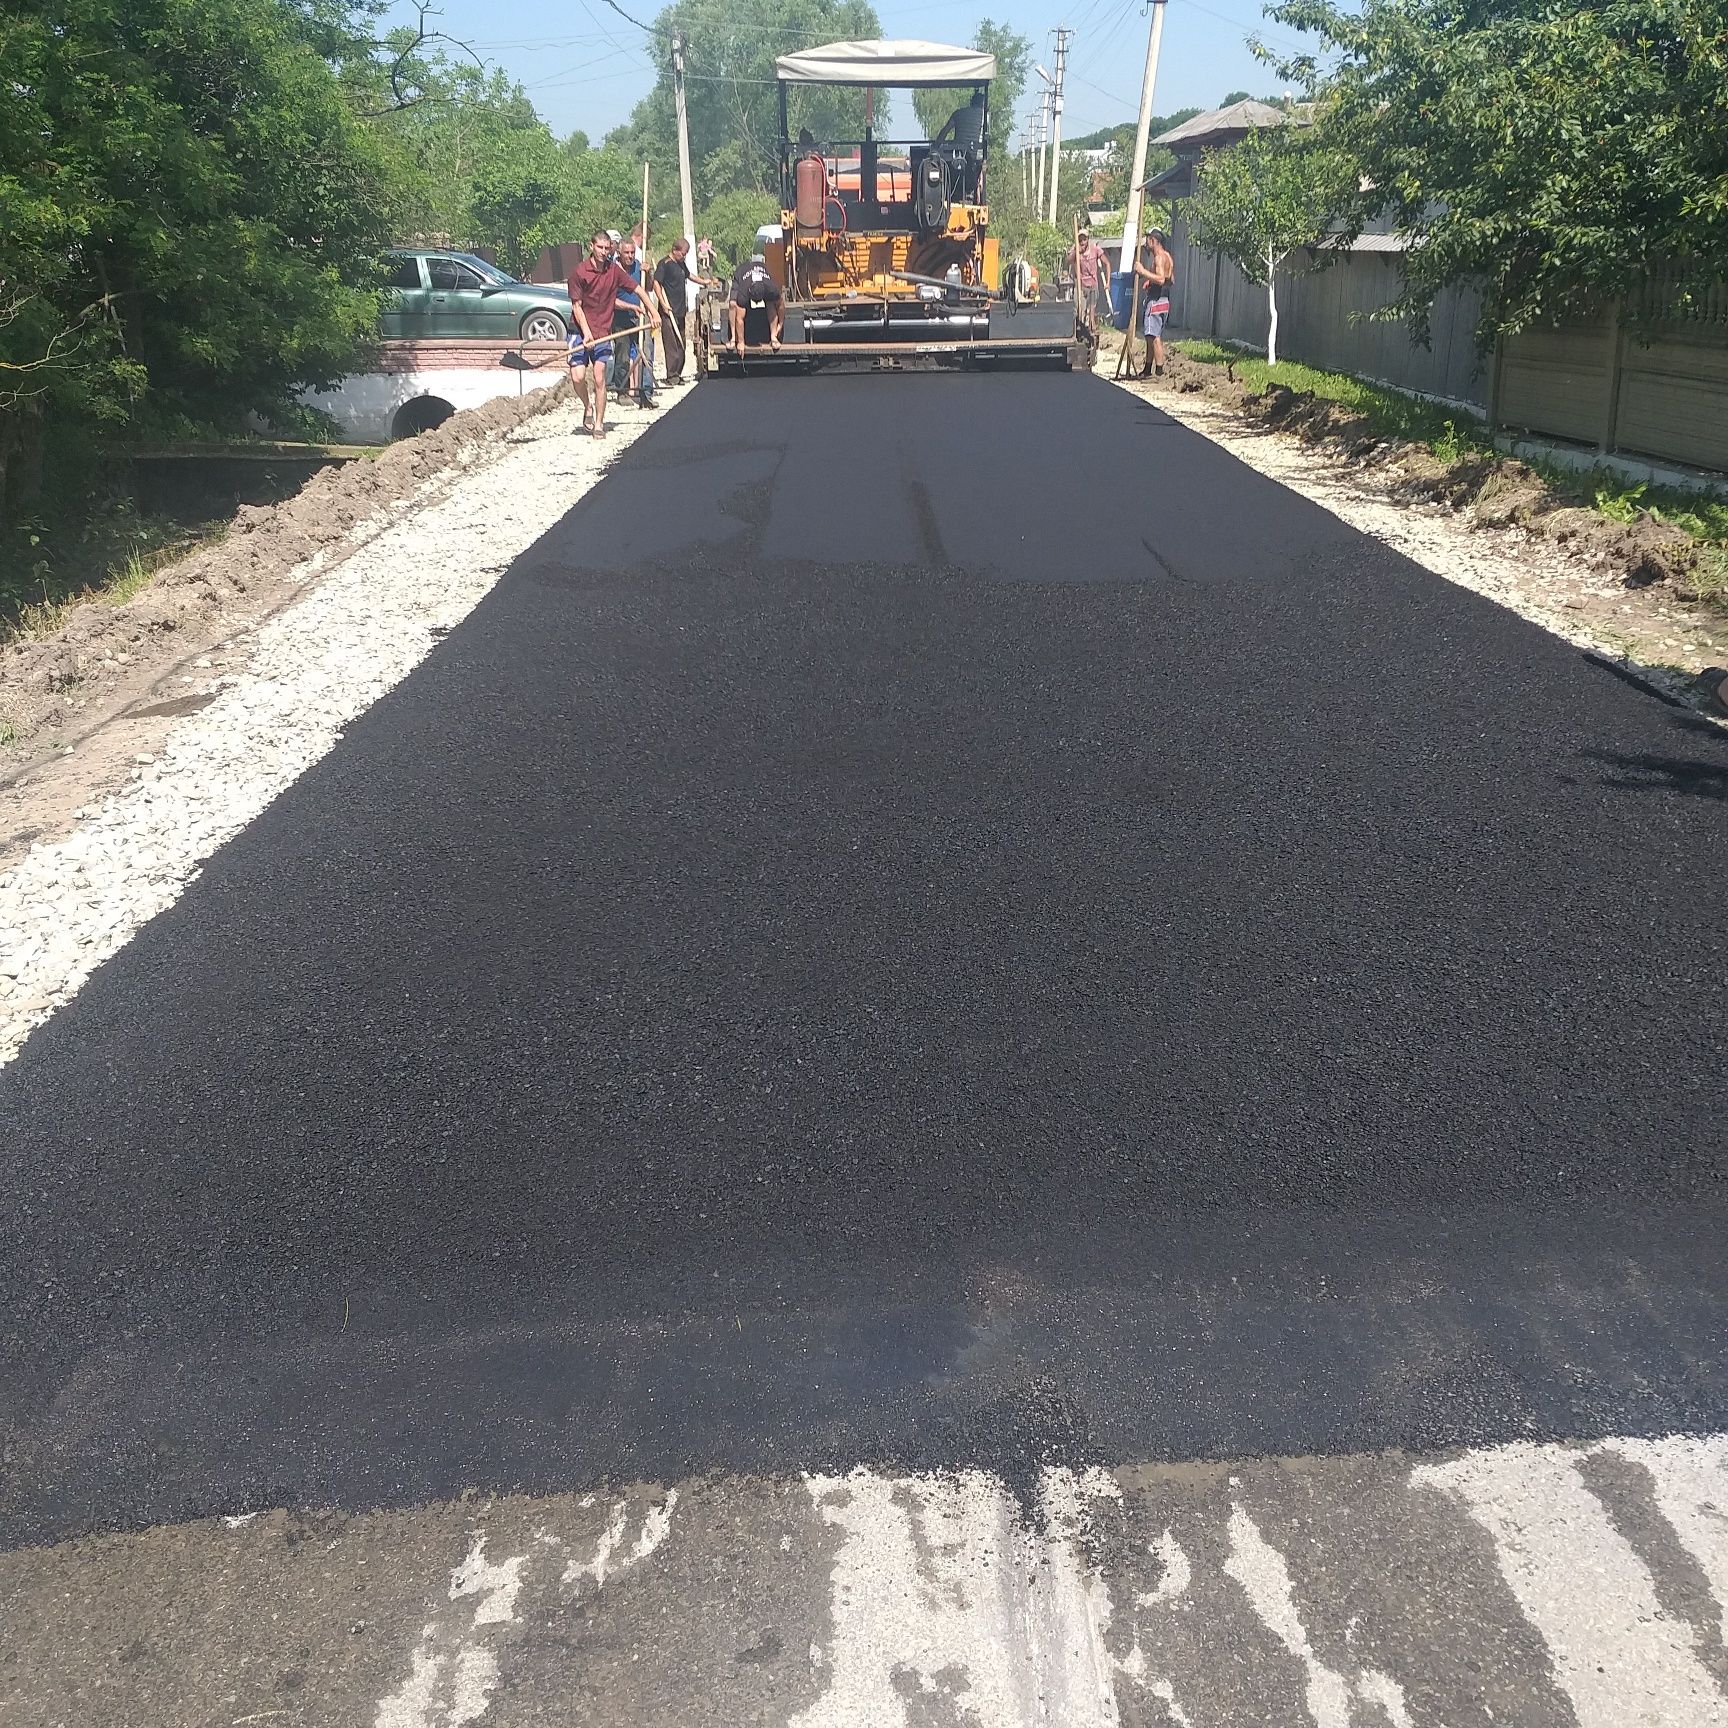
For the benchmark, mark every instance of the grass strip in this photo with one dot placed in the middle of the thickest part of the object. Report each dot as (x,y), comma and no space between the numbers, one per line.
(1456,437)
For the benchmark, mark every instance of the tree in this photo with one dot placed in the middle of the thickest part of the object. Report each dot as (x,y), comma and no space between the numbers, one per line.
(517,185)
(1553,152)
(474,135)
(732,219)
(479,167)
(1257,201)
(190,219)
(601,189)
(733,104)
(1013,54)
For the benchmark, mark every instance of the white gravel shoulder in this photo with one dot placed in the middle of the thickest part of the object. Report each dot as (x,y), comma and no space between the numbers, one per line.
(357,631)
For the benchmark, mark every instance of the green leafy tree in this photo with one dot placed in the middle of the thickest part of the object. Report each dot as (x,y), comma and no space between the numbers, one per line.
(1258,201)
(732,220)
(733,104)
(601,189)
(517,185)
(479,168)
(1013,54)
(190,217)
(1046,245)
(473,156)
(1553,152)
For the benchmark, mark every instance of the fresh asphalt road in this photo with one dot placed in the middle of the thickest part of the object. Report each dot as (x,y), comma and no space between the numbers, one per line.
(931,921)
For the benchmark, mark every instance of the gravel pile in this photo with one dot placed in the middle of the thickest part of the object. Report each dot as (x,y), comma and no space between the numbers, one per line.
(356,632)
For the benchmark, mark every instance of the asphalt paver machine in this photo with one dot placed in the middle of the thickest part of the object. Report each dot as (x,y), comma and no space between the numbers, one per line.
(884,253)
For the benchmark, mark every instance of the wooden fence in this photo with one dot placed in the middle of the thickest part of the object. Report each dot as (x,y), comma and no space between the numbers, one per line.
(1663,396)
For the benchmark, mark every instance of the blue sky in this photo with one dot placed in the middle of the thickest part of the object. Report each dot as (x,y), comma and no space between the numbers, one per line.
(584,66)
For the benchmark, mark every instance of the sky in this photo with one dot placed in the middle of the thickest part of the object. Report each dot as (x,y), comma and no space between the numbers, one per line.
(585,68)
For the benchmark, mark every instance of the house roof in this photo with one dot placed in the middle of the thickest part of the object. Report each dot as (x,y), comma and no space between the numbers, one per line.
(902,64)
(1176,181)
(1375,243)
(1220,123)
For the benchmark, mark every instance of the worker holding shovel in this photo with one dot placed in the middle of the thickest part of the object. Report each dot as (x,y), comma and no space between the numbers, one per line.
(596,285)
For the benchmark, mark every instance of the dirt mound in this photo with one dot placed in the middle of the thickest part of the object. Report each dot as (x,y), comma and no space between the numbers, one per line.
(248,567)
(1496,491)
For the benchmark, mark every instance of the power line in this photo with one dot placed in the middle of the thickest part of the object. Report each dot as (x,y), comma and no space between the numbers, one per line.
(646,29)
(553,78)
(1124,101)
(1250,29)
(700,29)
(1105,39)
(605,34)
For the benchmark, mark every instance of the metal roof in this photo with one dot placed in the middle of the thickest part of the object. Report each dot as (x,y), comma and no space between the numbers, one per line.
(1365,243)
(1239,117)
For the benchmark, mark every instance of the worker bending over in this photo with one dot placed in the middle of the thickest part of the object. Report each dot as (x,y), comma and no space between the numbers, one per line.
(752,286)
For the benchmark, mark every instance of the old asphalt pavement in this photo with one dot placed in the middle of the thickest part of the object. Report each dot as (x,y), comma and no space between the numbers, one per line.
(941,925)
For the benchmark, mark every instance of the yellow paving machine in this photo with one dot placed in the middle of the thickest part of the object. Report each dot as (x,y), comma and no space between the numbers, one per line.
(883,255)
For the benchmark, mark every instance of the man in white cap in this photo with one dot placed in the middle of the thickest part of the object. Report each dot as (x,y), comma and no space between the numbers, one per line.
(752,286)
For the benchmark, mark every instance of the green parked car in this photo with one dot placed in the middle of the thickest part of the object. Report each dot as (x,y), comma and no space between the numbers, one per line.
(444,294)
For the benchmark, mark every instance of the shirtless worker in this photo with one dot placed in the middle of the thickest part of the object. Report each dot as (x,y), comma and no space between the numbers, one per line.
(1156,270)
(753,286)
(596,285)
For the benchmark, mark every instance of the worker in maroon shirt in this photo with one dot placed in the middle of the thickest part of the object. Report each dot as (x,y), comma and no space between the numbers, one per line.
(596,285)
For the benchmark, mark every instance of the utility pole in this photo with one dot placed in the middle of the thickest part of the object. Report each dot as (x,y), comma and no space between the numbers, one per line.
(1148,84)
(1062,35)
(688,210)
(1038,177)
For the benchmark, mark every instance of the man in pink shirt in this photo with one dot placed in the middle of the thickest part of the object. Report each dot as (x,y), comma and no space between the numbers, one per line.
(596,285)
(1089,265)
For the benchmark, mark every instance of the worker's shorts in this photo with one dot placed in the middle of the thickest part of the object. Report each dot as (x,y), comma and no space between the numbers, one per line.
(582,352)
(1155,320)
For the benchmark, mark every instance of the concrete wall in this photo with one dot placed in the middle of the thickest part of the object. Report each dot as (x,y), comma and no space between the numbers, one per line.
(1596,384)
(421,383)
